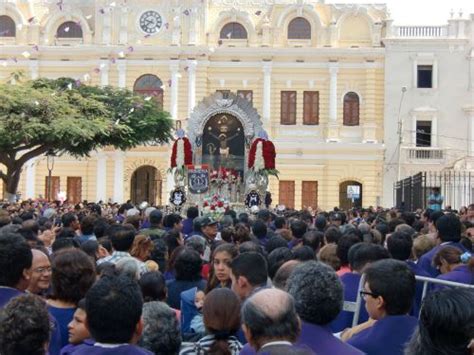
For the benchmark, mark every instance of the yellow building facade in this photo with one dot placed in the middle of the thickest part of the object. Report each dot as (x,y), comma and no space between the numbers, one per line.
(313,73)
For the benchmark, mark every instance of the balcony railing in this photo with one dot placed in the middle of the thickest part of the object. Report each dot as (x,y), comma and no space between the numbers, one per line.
(425,153)
(421,31)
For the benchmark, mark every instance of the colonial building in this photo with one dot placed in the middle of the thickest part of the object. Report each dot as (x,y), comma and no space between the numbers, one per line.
(429,105)
(308,73)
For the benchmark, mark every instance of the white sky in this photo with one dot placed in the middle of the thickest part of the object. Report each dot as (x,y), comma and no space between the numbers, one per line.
(419,12)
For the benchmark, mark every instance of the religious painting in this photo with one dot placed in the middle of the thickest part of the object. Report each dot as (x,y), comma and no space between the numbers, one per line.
(224,143)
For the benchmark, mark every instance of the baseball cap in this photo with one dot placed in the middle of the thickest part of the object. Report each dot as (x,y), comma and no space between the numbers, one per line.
(208,221)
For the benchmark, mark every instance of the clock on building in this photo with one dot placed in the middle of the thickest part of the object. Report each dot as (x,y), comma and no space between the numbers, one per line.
(151,22)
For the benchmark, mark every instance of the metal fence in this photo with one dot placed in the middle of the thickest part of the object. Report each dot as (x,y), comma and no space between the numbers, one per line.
(457,189)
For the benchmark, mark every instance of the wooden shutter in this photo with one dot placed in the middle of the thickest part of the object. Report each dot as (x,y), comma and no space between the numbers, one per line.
(287,193)
(74,189)
(246,94)
(311,108)
(288,107)
(309,193)
(55,186)
(351,109)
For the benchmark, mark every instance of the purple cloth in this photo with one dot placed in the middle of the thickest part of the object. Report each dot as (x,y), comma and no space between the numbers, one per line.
(388,336)
(64,317)
(187,226)
(7,293)
(317,338)
(462,274)
(350,281)
(120,350)
(70,348)
(426,260)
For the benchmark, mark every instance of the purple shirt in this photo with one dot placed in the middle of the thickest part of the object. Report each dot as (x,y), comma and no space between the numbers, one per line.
(388,336)
(119,350)
(319,339)
(426,260)
(462,274)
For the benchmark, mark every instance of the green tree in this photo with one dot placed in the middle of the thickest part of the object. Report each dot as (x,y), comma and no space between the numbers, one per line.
(71,118)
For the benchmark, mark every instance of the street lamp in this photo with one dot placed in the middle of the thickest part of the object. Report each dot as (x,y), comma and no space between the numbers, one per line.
(50,155)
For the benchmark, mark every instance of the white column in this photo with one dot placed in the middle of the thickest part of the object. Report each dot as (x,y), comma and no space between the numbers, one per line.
(267,92)
(469,111)
(122,73)
(101,182)
(191,85)
(123,35)
(34,69)
(415,73)
(104,72)
(435,74)
(118,176)
(174,90)
(106,27)
(30,178)
(434,131)
(333,70)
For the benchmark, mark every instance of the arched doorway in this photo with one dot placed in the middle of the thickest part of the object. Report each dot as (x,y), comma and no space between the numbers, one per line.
(223,143)
(350,194)
(146,185)
(151,86)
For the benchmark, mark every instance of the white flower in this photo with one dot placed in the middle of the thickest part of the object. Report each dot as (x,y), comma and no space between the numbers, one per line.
(180,154)
(259,161)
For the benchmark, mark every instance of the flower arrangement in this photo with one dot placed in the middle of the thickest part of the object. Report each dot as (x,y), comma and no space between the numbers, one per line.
(262,156)
(215,205)
(181,154)
(224,176)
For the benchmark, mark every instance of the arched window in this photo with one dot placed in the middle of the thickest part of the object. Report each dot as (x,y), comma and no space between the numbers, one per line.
(299,28)
(69,29)
(233,30)
(351,109)
(150,85)
(7,27)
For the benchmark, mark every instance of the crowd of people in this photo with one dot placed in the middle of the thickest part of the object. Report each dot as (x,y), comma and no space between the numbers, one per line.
(117,279)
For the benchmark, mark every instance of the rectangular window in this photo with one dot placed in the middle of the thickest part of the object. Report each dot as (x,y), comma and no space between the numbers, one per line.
(309,193)
(423,133)
(287,193)
(246,94)
(288,108)
(311,108)
(425,76)
(54,188)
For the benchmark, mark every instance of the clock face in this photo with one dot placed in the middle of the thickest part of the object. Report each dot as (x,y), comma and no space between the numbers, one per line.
(151,22)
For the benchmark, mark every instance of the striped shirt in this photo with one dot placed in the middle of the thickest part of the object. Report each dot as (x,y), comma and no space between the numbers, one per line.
(203,346)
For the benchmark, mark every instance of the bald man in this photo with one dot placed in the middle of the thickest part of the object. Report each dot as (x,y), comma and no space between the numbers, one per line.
(271,324)
(40,273)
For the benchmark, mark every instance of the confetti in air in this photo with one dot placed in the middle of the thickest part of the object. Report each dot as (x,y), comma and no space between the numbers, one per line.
(148,98)
(258,13)
(97,70)
(86,77)
(167,25)
(112,4)
(121,54)
(19,26)
(78,83)
(37,103)
(15,60)
(102,11)
(219,42)
(130,49)
(36,48)
(26,54)
(229,35)
(69,86)
(31,19)
(60,5)
(169,83)
(66,29)
(186,12)
(4,64)
(88,17)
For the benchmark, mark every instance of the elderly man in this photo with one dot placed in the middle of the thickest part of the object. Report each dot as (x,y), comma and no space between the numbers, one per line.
(40,273)
(270,323)
(318,296)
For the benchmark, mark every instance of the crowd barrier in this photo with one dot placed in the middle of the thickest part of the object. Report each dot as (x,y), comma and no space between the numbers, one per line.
(355,307)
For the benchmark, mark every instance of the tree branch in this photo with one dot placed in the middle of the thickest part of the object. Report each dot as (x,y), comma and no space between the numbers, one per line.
(32,153)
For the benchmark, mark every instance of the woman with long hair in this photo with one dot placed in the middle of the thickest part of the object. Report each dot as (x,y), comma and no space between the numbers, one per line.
(454,266)
(221,258)
(221,313)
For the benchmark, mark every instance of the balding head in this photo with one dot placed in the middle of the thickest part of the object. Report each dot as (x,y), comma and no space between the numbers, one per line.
(283,273)
(270,315)
(40,272)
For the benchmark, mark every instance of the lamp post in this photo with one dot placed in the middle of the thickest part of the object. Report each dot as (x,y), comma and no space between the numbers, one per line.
(50,155)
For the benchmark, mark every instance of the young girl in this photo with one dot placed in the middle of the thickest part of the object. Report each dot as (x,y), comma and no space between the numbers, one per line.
(219,276)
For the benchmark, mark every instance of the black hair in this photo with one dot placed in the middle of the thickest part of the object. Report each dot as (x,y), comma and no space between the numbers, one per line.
(435,215)
(274,243)
(113,307)
(64,243)
(153,286)
(279,222)
(252,266)
(171,239)
(250,247)
(395,282)
(332,235)
(304,253)
(409,218)
(298,228)
(68,218)
(259,229)
(192,212)
(188,265)
(343,245)
(106,243)
(122,238)
(100,227)
(277,258)
(446,323)
(400,245)
(394,223)
(87,225)
(24,326)
(365,253)
(156,217)
(66,233)
(264,215)
(15,257)
(313,239)
(449,228)
(171,219)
